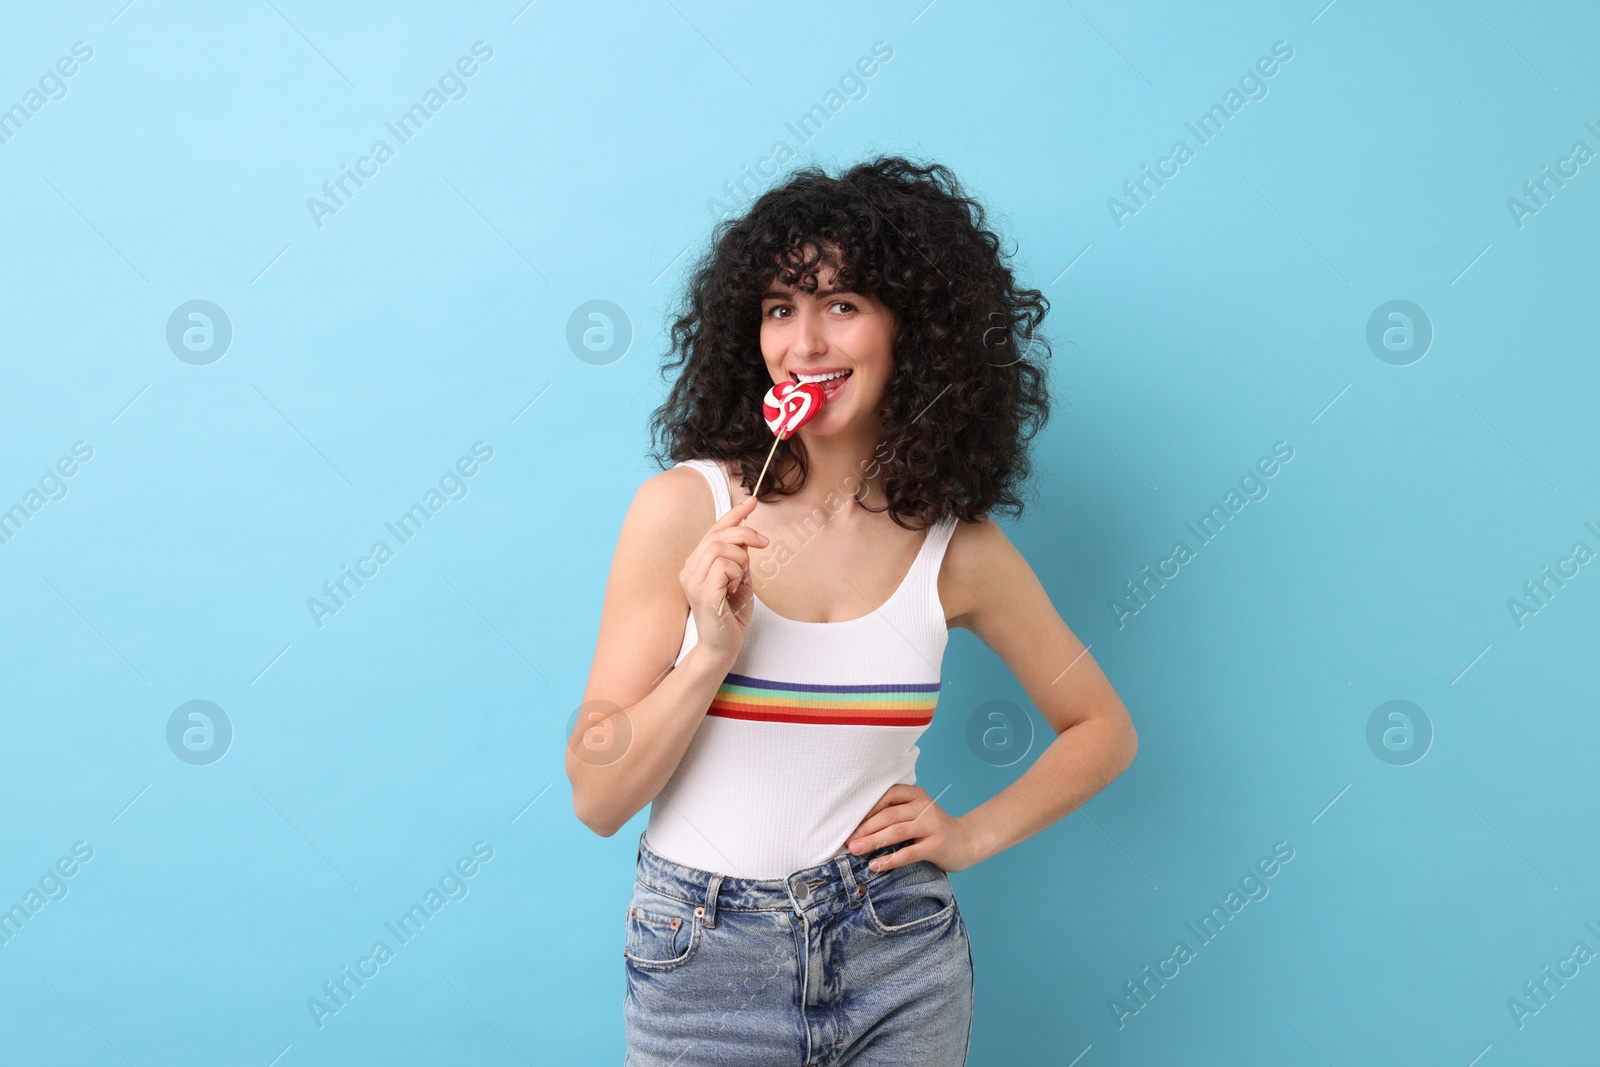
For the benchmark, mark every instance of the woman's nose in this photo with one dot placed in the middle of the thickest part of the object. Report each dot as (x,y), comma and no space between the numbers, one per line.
(808,339)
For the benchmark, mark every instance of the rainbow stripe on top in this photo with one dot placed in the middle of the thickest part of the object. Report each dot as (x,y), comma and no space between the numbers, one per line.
(743,697)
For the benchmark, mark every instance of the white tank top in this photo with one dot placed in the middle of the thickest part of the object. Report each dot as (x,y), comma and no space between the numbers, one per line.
(812,724)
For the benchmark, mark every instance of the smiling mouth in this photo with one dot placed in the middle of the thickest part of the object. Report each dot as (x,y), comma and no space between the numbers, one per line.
(832,387)
(817,378)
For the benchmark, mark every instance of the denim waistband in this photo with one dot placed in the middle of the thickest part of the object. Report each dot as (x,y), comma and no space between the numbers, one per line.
(802,889)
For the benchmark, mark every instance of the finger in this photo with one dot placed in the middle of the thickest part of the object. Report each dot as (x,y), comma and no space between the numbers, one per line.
(911,814)
(888,830)
(739,607)
(741,594)
(714,563)
(735,515)
(742,535)
(895,794)
(898,858)
(869,826)
(730,575)
(733,542)
(717,582)
(919,806)
(897,834)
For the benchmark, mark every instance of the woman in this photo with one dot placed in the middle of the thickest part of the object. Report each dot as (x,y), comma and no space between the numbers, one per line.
(791,904)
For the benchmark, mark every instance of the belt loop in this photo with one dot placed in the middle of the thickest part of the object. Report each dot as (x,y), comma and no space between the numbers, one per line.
(710,909)
(852,890)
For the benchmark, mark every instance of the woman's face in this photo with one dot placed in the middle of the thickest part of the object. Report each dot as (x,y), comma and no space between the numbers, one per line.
(831,330)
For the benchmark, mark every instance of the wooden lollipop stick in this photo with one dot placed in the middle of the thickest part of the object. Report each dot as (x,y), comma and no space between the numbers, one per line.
(754,492)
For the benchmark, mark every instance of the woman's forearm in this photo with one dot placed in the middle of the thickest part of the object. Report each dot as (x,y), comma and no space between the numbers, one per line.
(653,734)
(1081,761)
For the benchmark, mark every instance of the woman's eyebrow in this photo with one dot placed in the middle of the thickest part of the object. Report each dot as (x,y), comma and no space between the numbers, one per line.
(775,295)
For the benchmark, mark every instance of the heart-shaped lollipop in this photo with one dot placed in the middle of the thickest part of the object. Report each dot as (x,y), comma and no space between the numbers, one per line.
(790,405)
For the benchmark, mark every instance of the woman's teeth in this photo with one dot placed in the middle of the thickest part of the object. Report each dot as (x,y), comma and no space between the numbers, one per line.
(805,378)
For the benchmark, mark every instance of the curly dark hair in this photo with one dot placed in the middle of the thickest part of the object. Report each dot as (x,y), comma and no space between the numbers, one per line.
(909,236)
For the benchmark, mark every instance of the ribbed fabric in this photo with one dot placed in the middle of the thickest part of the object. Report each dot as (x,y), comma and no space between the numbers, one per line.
(838,705)
(812,724)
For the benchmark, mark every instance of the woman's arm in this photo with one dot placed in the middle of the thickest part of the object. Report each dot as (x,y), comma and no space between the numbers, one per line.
(988,588)
(621,767)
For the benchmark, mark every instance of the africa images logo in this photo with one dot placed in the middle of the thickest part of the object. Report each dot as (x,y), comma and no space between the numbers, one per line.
(452,485)
(452,85)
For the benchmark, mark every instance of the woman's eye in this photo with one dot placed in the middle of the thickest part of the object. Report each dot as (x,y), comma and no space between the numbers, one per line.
(776,308)
(844,304)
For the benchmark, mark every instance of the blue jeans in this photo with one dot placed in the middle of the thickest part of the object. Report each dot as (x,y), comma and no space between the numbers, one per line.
(836,964)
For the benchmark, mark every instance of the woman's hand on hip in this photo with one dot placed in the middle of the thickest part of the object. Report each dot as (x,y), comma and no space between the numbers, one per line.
(908,813)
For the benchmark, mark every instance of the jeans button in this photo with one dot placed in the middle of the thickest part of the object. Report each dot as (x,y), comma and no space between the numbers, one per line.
(802,891)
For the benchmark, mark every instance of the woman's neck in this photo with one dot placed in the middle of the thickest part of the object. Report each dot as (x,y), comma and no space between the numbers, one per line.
(844,466)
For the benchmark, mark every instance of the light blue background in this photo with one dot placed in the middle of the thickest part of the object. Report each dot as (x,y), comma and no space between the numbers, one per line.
(430,713)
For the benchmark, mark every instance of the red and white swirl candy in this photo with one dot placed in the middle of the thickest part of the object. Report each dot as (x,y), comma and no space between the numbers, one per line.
(790,405)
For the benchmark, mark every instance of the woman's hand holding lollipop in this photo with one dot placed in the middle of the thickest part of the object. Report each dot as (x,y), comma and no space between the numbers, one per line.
(715,571)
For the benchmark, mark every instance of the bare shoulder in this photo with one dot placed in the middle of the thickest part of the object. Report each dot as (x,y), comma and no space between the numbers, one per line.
(978,554)
(671,511)
(677,496)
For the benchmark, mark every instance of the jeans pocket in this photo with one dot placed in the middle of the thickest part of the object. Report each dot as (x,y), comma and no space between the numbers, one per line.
(917,896)
(663,933)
